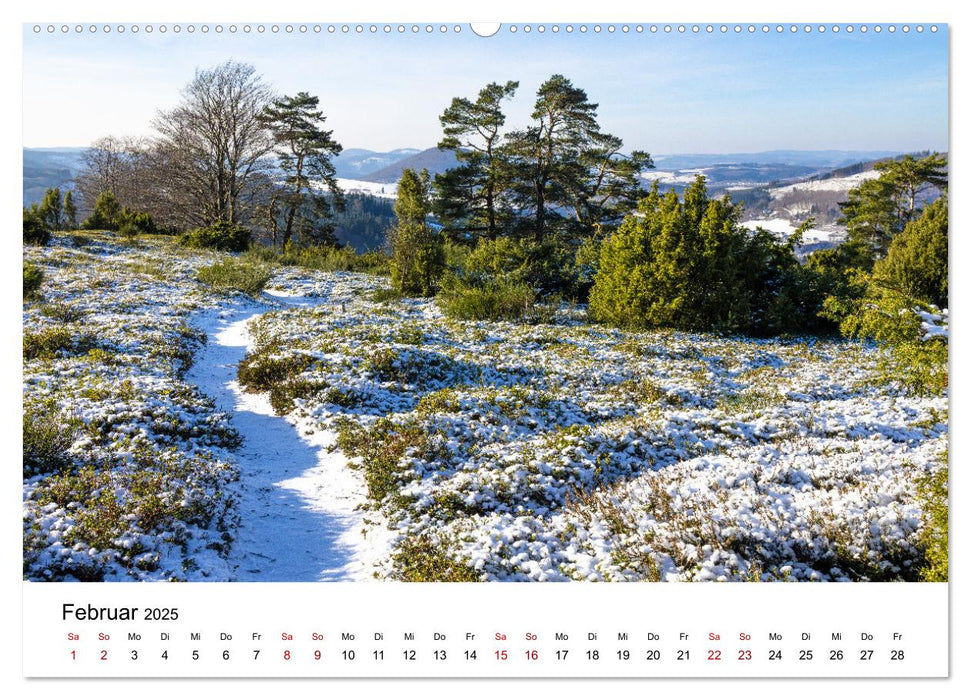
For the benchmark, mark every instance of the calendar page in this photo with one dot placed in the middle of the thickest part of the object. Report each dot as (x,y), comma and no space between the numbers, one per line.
(537,350)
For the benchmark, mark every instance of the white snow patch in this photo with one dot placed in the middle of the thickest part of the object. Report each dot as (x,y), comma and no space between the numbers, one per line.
(812,239)
(830,184)
(298,517)
(377,189)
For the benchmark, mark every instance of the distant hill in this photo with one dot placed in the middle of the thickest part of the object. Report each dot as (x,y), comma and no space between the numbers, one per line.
(725,176)
(435,160)
(818,195)
(813,159)
(352,163)
(48,167)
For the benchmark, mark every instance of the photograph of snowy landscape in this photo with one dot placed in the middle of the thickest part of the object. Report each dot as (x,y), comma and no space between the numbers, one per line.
(410,304)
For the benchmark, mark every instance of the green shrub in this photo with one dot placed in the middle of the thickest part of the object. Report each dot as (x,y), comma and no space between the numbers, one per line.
(441,401)
(48,435)
(218,236)
(419,558)
(455,254)
(347,398)
(137,222)
(918,363)
(264,369)
(107,214)
(236,275)
(381,447)
(494,284)
(383,294)
(409,334)
(501,259)
(417,259)
(35,232)
(63,313)
(497,300)
(687,264)
(128,230)
(33,279)
(385,365)
(838,274)
(283,395)
(410,366)
(933,494)
(323,258)
(52,342)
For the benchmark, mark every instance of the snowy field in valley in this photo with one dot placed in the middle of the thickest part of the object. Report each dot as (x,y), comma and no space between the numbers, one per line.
(829,184)
(316,434)
(376,189)
(812,239)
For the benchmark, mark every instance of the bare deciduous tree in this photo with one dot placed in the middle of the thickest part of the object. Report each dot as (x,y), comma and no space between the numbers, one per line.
(99,170)
(213,144)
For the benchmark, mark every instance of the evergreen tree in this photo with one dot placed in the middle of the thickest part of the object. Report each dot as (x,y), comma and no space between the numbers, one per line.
(911,178)
(546,154)
(611,187)
(35,231)
(917,260)
(107,214)
(568,174)
(70,212)
(880,208)
(890,306)
(412,204)
(687,264)
(50,209)
(468,198)
(304,150)
(417,251)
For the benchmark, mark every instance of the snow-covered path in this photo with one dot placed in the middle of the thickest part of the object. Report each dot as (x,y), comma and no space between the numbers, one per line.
(297,509)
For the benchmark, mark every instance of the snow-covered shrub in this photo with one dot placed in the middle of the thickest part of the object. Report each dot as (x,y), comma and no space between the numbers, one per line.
(382,447)
(915,356)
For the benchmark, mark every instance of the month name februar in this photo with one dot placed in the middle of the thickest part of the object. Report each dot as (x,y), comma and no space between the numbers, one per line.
(92,613)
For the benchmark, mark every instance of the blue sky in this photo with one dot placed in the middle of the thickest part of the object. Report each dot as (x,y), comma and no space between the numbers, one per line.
(665,93)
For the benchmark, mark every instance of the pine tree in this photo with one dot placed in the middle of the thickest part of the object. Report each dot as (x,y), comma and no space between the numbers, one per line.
(468,198)
(564,164)
(880,208)
(50,209)
(417,252)
(911,178)
(612,185)
(871,217)
(304,150)
(70,212)
(546,154)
